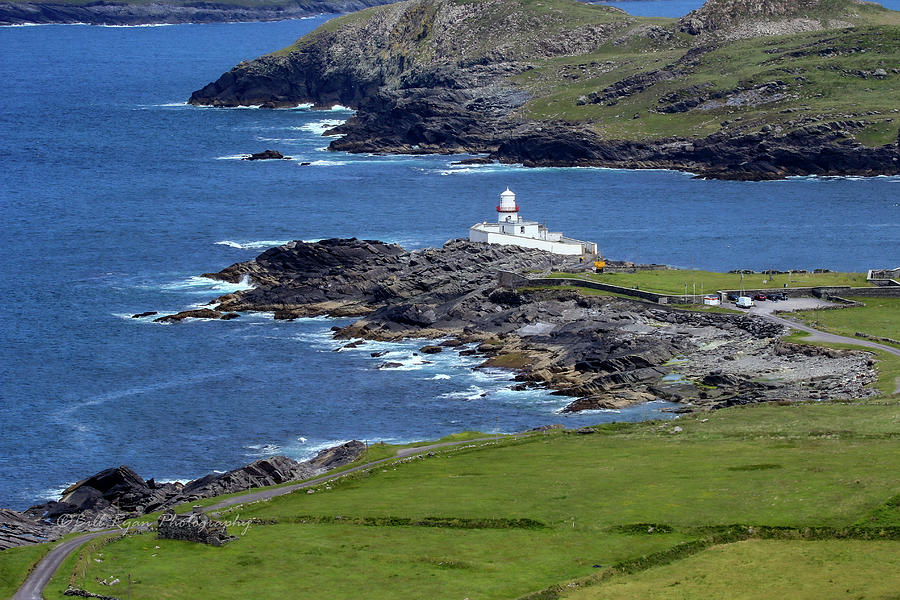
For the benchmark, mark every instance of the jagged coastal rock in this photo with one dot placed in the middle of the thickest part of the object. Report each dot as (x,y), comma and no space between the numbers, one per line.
(438,76)
(112,495)
(150,13)
(608,351)
(267,155)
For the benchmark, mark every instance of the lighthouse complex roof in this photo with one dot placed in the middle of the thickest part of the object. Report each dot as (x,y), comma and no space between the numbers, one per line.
(508,192)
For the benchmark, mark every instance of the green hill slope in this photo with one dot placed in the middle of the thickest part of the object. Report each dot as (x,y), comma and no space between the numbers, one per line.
(741,89)
(560,513)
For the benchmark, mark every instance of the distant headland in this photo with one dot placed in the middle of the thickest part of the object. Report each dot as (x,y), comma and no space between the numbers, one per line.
(162,12)
(741,89)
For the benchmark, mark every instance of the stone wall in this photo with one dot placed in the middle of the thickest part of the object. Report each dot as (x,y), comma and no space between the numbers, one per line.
(873,292)
(799,292)
(192,527)
(606,287)
(821,292)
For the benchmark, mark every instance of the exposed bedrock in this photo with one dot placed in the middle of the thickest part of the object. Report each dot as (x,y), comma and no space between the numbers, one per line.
(105,499)
(610,350)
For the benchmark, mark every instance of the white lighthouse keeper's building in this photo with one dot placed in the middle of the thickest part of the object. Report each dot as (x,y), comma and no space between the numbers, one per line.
(511,229)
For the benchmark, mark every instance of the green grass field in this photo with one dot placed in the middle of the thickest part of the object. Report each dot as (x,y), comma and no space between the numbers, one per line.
(765,569)
(676,281)
(879,317)
(797,466)
(15,564)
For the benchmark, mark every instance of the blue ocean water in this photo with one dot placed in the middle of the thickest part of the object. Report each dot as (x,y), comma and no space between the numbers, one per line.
(116,196)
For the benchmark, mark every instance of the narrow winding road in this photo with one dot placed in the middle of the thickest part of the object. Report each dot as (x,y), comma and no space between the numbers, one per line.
(33,587)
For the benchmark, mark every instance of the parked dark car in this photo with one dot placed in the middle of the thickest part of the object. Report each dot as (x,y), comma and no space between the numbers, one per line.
(760,297)
(732,297)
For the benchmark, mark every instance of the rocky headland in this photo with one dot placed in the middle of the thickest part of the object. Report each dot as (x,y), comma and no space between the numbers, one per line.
(568,84)
(172,12)
(606,351)
(108,498)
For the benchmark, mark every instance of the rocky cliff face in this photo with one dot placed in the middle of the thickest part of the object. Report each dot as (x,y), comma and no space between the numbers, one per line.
(438,76)
(736,19)
(122,13)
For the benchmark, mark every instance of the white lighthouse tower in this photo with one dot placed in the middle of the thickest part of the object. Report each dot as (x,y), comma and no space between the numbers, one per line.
(508,210)
(512,229)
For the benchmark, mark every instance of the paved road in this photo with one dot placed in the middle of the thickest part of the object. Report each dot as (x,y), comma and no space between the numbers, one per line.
(34,586)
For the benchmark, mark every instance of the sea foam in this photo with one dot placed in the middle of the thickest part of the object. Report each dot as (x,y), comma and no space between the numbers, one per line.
(320,127)
(204,285)
(252,244)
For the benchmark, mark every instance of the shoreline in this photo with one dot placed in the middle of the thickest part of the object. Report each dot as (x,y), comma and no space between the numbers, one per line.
(28,14)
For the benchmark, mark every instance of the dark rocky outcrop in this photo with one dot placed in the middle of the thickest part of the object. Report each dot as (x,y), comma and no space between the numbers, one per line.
(18,529)
(338,456)
(263,472)
(609,352)
(125,13)
(750,18)
(342,277)
(148,313)
(199,313)
(267,155)
(112,495)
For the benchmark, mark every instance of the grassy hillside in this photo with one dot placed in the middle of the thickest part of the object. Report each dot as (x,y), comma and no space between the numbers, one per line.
(812,78)
(520,516)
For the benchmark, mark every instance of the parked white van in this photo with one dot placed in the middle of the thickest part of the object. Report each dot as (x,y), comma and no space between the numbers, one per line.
(744,302)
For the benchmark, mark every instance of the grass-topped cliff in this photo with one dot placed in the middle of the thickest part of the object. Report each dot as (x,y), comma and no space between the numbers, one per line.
(758,88)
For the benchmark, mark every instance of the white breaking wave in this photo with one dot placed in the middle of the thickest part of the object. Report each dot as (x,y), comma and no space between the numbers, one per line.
(320,127)
(233,157)
(328,163)
(438,377)
(203,285)
(136,26)
(55,493)
(263,449)
(339,108)
(253,244)
(473,392)
(217,108)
